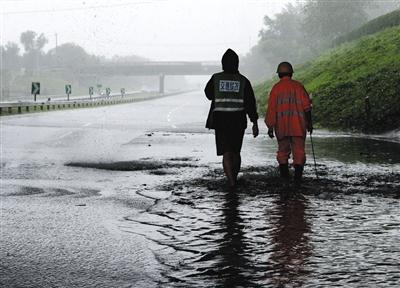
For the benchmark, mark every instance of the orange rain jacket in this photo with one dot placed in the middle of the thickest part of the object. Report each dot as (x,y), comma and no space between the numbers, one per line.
(287,104)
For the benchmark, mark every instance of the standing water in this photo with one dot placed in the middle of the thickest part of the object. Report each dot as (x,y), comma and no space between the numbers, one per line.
(121,197)
(342,229)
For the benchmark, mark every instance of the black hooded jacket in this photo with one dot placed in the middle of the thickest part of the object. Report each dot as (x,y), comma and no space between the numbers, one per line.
(231,120)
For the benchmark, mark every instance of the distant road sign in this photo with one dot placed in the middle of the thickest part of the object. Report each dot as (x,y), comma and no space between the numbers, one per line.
(91,91)
(35,88)
(122,91)
(108,91)
(68,89)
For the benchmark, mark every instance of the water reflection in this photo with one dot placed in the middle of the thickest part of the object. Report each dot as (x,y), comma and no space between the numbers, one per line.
(260,238)
(240,259)
(224,261)
(234,266)
(346,149)
(351,150)
(291,242)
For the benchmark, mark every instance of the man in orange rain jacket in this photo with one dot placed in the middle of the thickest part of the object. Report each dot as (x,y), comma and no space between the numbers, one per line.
(289,115)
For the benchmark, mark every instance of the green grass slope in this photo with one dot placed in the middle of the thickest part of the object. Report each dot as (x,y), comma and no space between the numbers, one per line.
(380,23)
(342,78)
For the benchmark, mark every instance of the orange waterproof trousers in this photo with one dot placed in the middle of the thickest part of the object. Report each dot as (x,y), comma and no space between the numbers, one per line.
(291,144)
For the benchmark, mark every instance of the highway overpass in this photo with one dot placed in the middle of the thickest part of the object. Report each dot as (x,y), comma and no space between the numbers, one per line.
(150,68)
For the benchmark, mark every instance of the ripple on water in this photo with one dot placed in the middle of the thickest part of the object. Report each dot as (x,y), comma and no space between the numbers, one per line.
(263,236)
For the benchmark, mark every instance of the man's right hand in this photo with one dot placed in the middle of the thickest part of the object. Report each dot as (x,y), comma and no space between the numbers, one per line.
(255,130)
(271,133)
(310,128)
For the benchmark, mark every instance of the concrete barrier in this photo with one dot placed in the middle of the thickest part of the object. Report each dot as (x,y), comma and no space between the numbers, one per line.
(11,108)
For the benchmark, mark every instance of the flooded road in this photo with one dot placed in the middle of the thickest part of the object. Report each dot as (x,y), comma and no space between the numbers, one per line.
(134,196)
(265,236)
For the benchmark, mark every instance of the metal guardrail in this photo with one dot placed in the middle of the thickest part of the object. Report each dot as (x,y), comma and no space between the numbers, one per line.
(27,107)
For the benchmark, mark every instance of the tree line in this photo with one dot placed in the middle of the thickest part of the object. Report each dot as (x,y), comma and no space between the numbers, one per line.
(34,58)
(303,30)
(27,61)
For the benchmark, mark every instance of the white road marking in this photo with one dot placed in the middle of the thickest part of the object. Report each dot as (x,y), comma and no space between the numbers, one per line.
(65,135)
(70,133)
(169,115)
(169,118)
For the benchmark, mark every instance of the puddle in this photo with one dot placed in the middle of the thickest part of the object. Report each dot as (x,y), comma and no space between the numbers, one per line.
(183,159)
(17,190)
(270,234)
(23,191)
(137,165)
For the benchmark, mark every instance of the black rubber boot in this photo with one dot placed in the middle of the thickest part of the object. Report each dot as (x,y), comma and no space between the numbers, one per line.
(298,174)
(284,170)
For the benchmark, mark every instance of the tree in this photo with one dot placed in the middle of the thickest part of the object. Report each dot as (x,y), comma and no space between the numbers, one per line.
(302,31)
(10,56)
(10,63)
(31,41)
(281,39)
(70,55)
(33,45)
(377,8)
(27,40)
(325,20)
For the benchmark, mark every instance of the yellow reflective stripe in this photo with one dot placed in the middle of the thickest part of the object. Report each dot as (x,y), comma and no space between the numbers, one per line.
(228,109)
(289,100)
(290,113)
(229,100)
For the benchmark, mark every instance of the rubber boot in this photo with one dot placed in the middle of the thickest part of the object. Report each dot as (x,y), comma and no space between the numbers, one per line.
(298,174)
(284,170)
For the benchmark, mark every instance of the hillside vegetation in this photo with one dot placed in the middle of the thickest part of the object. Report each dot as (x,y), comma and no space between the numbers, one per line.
(391,19)
(341,79)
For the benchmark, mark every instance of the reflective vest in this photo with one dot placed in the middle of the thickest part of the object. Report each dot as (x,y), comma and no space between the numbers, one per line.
(287,104)
(229,92)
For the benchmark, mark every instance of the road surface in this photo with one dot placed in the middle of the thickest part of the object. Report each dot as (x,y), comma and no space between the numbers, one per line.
(133,196)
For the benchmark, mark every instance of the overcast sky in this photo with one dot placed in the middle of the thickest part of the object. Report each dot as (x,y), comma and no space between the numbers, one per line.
(157,29)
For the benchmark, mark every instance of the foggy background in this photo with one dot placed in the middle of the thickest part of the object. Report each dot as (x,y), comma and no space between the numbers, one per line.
(45,40)
(100,195)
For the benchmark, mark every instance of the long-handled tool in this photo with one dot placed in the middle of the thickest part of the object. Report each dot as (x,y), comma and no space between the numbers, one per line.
(313,153)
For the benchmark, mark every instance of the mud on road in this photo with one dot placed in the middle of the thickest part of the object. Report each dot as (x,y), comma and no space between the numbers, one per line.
(341,229)
(152,209)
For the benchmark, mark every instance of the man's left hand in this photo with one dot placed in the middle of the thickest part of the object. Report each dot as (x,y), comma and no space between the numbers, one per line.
(271,133)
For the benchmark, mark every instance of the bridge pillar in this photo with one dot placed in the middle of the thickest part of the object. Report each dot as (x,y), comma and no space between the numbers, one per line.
(162,81)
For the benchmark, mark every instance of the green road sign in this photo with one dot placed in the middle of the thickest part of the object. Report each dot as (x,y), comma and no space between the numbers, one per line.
(68,89)
(35,88)
(108,91)
(91,91)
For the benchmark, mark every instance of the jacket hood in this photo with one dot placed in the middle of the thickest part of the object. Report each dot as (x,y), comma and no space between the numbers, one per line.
(230,61)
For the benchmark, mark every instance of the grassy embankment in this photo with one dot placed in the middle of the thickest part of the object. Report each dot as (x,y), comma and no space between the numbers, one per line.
(341,78)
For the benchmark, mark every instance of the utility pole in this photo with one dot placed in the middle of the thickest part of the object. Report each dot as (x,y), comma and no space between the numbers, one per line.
(56,41)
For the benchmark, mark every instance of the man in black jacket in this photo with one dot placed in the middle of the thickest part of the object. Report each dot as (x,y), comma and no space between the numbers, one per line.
(232,98)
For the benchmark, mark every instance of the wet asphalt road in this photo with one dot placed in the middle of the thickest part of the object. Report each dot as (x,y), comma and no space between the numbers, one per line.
(133,196)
